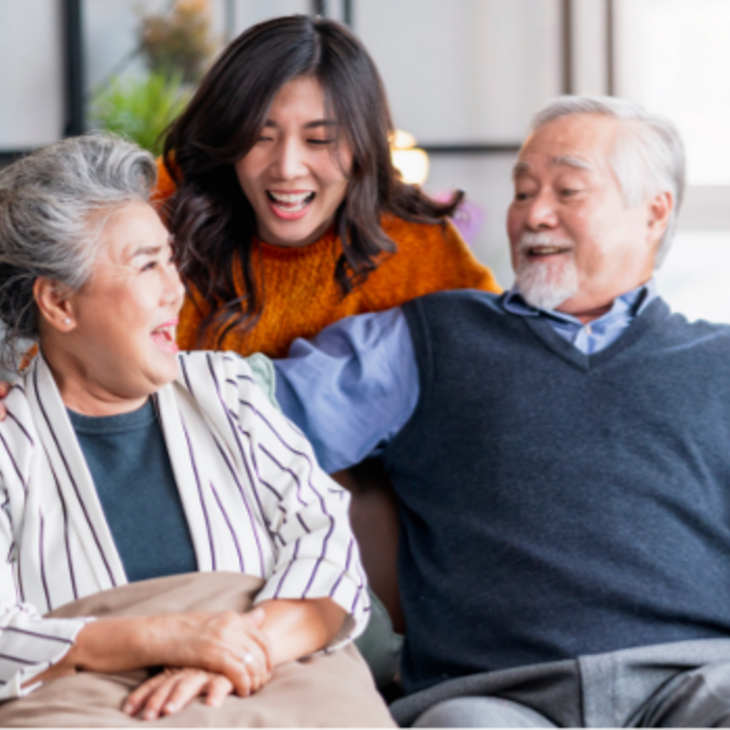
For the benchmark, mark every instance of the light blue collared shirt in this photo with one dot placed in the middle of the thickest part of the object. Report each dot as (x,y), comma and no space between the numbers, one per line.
(355,385)
(598,334)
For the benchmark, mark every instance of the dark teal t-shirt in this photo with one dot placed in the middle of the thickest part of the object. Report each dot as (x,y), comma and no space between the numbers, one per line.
(128,460)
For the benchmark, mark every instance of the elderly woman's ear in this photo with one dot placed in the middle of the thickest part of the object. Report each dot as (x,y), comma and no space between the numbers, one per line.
(54,304)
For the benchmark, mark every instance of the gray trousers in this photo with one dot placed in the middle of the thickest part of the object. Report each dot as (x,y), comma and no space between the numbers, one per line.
(481,712)
(682,684)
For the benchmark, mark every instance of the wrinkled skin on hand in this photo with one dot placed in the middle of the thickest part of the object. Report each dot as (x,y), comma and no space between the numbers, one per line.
(172,690)
(226,643)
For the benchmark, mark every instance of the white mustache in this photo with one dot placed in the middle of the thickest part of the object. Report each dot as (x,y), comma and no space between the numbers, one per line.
(530,240)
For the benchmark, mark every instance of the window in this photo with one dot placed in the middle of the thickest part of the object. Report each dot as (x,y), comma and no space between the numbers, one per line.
(673,56)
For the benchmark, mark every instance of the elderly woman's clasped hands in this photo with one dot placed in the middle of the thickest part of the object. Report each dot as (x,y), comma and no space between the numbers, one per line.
(206,653)
(216,636)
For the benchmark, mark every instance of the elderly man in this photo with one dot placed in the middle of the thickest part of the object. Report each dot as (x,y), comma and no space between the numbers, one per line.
(560,453)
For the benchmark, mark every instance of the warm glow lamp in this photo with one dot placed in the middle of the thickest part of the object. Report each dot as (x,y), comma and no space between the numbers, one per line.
(409,160)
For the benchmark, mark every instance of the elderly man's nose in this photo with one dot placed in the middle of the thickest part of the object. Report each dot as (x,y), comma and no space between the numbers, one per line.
(541,214)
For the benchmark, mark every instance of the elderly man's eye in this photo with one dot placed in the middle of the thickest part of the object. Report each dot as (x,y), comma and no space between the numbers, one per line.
(149,266)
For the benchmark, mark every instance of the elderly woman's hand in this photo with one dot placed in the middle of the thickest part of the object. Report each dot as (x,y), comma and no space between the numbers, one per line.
(170,691)
(173,689)
(226,643)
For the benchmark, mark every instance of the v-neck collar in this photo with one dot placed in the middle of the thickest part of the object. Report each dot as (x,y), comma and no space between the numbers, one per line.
(541,328)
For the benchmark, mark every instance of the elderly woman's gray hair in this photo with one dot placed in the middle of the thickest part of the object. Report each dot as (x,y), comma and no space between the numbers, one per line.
(648,156)
(52,206)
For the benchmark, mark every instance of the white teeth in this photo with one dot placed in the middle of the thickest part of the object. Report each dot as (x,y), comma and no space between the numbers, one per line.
(296,198)
(543,244)
(545,250)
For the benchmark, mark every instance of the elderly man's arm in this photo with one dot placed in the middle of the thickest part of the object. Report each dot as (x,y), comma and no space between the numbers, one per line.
(352,388)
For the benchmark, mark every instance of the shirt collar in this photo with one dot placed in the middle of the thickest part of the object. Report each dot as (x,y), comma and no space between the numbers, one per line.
(628,305)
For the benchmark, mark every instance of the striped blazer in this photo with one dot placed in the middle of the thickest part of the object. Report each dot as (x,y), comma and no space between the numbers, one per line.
(254,496)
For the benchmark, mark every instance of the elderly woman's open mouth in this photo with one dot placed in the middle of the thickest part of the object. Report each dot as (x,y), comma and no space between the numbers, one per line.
(164,336)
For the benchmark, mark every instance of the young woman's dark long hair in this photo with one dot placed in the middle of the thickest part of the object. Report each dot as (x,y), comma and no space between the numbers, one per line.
(212,221)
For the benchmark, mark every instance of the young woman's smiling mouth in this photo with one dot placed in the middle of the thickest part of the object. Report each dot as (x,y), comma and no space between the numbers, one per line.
(290,205)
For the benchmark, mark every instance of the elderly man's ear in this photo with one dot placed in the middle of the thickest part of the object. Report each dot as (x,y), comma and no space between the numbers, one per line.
(660,211)
(53,301)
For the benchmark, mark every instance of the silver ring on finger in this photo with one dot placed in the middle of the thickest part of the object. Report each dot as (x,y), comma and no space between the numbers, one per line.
(247,658)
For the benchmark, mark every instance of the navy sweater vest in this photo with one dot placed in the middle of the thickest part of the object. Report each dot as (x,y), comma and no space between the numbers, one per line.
(555,504)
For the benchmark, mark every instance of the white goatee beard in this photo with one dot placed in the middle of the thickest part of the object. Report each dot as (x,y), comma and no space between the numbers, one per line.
(543,285)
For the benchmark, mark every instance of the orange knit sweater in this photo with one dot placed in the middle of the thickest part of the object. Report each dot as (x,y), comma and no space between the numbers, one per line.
(302,295)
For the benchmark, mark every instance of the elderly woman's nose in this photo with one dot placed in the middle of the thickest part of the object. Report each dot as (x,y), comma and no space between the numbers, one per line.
(173,290)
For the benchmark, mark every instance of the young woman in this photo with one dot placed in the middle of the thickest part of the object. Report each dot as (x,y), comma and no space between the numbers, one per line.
(286,210)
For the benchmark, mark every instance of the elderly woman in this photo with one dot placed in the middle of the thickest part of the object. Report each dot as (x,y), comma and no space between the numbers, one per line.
(123,460)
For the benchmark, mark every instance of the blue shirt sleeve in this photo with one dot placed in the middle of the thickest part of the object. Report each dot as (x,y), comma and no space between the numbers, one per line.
(352,388)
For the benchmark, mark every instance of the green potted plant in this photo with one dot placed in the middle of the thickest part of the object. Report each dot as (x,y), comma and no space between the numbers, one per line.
(176,47)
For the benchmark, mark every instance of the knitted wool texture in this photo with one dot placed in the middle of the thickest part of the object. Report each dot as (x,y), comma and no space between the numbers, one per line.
(302,296)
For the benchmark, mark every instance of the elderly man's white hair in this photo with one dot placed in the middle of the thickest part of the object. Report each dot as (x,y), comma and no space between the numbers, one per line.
(648,156)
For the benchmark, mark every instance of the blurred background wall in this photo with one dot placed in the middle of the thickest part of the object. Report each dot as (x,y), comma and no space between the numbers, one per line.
(463,77)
